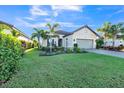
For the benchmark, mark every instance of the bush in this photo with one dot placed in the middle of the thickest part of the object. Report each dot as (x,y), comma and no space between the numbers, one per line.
(60,48)
(76,50)
(69,50)
(99,43)
(117,48)
(54,49)
(84,51)
(10,53)
(26,45)
(120,47)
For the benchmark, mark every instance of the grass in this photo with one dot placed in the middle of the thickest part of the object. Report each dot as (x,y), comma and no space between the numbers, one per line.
(68,70)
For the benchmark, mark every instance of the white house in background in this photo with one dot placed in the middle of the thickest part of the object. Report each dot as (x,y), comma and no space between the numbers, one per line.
(119,41)
(22,36)
(84,37)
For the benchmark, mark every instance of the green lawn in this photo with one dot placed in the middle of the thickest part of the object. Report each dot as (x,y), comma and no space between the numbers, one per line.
(69,70)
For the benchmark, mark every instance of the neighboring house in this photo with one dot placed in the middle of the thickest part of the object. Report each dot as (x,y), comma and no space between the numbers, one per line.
(84,37)
(21,36)
(119,41)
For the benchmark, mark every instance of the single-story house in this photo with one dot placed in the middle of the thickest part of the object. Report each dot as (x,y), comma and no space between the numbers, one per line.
(9,29)
(84,37)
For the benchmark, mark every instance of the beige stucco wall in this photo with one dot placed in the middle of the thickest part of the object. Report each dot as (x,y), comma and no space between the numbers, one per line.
(25,39)
(84,33)
(69,41)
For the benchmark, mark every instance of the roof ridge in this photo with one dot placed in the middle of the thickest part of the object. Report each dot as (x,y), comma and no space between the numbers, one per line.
(84,27)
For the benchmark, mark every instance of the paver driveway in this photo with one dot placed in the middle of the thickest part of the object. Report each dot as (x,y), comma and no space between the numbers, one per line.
(107,52)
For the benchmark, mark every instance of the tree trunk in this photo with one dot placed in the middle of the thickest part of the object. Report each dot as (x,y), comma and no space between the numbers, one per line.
(38,42)
(105,39)
(113,43)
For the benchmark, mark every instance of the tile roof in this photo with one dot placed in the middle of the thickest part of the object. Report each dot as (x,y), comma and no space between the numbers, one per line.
(63,32)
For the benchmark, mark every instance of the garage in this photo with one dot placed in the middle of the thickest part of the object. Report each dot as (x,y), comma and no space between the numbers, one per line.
(85,43)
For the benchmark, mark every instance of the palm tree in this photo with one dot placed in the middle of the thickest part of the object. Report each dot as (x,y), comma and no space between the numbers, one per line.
(105,29)
(115,30)
(52,27)
(51,32)
(39,33)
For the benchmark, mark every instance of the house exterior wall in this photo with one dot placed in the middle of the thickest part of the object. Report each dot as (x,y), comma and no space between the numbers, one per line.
(84,33)
(68,41)
(25,39)
(44,42)
(118,42)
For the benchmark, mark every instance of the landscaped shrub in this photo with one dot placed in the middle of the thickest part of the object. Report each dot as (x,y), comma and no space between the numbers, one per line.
(69,50)
(10,53)
(120,47)
(78,50)
(60,48)
(117,48)
(84,51)
(26,45)
(99,43)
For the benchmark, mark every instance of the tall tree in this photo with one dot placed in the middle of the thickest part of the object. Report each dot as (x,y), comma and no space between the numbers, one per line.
(105,29)
(39,33)
(115,30)
(51,32)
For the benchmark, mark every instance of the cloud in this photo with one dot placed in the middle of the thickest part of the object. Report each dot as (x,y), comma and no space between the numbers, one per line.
(43,24)
(116,12)
(68,24)
(59,8)
(66,7)
(29,18)
(119,11)
(48,20)
(37,11)
(27,24)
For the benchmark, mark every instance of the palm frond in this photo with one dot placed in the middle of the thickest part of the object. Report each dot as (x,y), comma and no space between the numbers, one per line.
(49,26)
(54,27)
(33,35)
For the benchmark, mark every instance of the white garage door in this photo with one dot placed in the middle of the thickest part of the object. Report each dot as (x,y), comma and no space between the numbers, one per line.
(85,43)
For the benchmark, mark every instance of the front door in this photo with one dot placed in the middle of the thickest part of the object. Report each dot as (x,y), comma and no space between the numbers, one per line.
(60,42)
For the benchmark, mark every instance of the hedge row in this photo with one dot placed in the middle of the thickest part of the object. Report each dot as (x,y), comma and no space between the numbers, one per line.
(10,54)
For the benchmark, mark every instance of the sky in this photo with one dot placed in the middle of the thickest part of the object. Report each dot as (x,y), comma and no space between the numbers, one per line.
(69,17)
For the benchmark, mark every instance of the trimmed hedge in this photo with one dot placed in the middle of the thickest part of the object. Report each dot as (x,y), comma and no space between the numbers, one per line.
(119,48)
(10,54)
(99,43)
